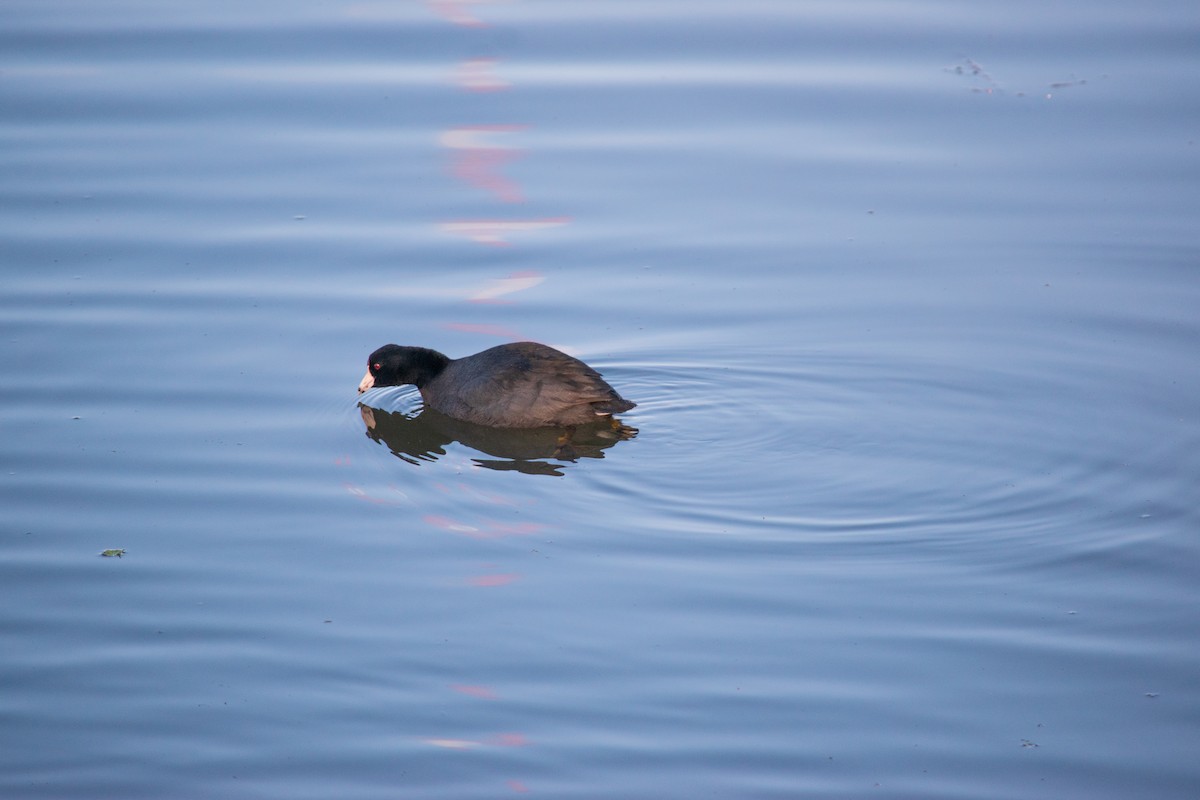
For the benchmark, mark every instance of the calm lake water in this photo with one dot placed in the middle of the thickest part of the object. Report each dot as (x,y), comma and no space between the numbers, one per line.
(907,294)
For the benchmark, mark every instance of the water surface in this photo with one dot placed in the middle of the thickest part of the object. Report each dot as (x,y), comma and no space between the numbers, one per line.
(906,295)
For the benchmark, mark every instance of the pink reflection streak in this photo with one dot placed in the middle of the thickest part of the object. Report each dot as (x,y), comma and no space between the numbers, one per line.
(455,11)
(496,289)
(491,497)
(499,740)
(361,494)
(481,692)
(487,330)
(508,740)
(452,744)
(493,232)
(478,75)
(477,160)
(498,579)
(491,529)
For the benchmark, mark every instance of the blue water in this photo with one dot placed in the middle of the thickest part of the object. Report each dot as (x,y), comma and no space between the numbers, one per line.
(907,296)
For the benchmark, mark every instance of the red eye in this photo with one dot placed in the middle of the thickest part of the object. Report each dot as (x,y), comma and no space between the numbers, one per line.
(375,367)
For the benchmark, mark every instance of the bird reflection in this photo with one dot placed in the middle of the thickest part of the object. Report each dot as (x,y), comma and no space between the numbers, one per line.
(423,436)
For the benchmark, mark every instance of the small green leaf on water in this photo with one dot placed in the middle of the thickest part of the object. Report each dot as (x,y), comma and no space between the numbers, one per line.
(117,552)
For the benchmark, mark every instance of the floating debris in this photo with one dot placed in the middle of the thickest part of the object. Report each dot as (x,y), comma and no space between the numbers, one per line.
(117,552)
(984,83)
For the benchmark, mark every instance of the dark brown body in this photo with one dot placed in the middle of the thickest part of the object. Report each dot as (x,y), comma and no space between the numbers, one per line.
(519,385)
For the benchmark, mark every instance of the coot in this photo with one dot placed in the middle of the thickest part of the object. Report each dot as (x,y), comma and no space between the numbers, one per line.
(518,385)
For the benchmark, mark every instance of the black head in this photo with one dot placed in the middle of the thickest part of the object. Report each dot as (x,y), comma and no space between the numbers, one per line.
(393,365)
